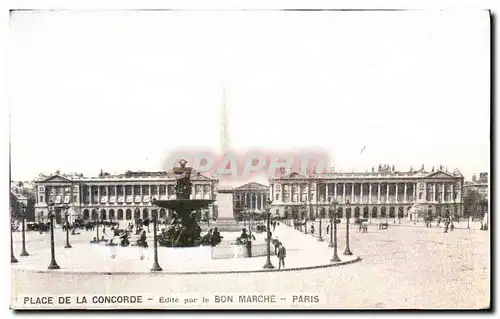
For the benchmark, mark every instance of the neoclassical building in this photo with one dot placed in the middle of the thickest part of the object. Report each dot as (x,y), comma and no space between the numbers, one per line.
(114,197)
(251,196)
(382,193)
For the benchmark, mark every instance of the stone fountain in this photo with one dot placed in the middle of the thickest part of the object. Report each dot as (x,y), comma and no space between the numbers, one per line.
(184,230)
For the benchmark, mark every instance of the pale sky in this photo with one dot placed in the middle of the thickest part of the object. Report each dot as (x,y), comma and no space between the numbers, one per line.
(118,90)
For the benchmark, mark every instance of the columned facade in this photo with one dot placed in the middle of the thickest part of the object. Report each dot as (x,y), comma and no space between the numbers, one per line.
(376,194)
(250,197)
(119,197)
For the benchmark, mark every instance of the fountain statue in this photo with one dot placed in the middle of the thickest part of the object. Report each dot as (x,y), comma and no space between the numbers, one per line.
(183,230)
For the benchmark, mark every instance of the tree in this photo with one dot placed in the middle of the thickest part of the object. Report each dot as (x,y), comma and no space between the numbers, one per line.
(483,206)
(472,202)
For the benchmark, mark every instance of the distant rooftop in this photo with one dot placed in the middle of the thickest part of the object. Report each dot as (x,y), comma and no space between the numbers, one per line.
(384,171)
(127,174)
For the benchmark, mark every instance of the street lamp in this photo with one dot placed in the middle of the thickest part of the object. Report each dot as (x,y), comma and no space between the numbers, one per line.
(23,220)
(331,211)
(287,216)
(333,242)
(66,221)
(245,212)
(53,264)
(347,250)
(303,216)
(250,218)
(268,264)
(156,265)
(416,213)
(309,198)
(13,259)
(320,238)
(97,226)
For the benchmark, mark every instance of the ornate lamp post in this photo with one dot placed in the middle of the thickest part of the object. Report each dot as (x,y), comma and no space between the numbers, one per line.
(207,214)
(156,265)
(304,218)
(320,238)
(53,264)
(13,259)
(309,198)
(268,264)
(245,212)
(250,220)
(66,221)
(97,227)
(332,210)
(416,212)
(347,250)
(287,216)
(23,220)
(335,257)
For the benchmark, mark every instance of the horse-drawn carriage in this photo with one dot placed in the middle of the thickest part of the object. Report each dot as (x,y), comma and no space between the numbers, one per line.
(383,225)
(260,228)
(15,225)
(359,221)
(39,227)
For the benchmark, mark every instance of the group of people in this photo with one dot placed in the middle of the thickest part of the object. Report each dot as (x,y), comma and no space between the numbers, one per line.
(212,238)
(448,224)
(244,238)
(121,238)
(297,224)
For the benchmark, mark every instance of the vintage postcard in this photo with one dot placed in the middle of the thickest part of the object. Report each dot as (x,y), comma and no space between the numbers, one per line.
(204,159)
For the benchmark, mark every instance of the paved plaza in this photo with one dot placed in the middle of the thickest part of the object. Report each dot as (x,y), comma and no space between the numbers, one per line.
(405,266)
(303,252)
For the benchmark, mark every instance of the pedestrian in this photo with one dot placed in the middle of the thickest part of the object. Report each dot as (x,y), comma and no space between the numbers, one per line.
(364,227)
(312,229)
(276,246)
(142,243)
(327,229)
(452,227)
(281,256)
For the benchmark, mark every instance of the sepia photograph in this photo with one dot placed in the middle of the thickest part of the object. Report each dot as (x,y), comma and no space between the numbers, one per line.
(249,159)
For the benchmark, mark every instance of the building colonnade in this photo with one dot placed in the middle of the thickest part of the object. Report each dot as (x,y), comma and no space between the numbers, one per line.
(366,192)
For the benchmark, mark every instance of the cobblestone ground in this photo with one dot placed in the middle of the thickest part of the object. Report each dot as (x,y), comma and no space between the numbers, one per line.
(402,267)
